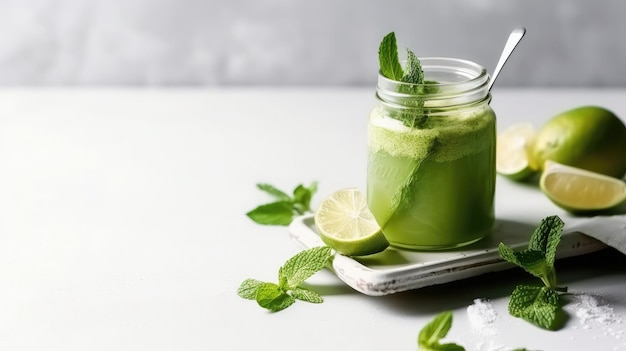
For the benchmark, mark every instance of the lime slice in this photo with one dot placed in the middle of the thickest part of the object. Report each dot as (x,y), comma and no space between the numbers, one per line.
(512,147)
(579,190)
(345,224)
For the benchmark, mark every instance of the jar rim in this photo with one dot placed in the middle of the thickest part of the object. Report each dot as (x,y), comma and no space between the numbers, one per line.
(466,66)
(456,82)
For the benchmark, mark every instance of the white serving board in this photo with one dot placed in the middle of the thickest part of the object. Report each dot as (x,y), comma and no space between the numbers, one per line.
(395,270)
(519,210)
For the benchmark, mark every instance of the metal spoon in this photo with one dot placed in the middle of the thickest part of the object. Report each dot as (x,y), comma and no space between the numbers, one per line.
(514,38)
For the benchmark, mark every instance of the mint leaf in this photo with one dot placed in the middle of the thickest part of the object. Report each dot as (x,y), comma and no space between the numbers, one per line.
(302,197)
(283,211)
(538,259)
(546,238)
(436,330)
(306,295)
(532,261)
(431,334)
(303,265)
(388,58)
(417,117)
(414,73)
(275,213)
(272,297)
(276,297)
(270,189)
(248,288)
(537,305)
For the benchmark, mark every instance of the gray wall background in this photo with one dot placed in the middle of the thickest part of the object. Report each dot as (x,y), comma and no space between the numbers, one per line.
(301,42)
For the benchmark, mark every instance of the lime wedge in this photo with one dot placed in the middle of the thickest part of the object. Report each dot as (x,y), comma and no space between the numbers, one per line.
(345,224)
(578,190)
(512,149)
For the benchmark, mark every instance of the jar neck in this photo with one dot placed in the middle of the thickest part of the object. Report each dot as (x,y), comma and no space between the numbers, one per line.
(450,84)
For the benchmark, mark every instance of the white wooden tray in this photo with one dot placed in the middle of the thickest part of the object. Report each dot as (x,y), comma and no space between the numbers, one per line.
(395,270)
(519,210)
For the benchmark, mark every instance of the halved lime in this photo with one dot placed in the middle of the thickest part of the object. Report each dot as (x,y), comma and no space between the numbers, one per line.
(578,190)
(512,147)
(345,224)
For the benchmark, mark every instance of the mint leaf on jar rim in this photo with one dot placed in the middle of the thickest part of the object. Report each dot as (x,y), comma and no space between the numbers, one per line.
(414,73)
(416,115)
(388,58)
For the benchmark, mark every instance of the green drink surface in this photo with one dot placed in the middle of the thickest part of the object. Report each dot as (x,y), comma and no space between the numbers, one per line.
(432,187)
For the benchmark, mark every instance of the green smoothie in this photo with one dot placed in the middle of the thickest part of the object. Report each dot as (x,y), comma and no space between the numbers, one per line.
(433,187)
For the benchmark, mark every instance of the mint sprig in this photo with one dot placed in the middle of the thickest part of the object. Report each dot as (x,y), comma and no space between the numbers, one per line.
(390,67)
(537,304)
(276,297)
(286,207)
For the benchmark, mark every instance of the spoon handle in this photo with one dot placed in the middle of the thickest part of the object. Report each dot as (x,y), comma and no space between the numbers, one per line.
(514,38)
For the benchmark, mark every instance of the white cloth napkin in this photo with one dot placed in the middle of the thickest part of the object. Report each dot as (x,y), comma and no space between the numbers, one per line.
(610,230)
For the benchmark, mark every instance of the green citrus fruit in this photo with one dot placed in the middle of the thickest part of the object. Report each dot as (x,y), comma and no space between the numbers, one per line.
(579,190)
(512,147)
(345,223)
(588,137)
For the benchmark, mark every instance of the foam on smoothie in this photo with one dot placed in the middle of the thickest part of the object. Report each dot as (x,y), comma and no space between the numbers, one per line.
(447,137)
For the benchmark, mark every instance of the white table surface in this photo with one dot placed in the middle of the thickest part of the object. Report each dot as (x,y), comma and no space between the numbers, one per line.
(123,227)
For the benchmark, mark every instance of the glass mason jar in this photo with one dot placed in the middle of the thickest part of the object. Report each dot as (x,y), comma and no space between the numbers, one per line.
(431,161)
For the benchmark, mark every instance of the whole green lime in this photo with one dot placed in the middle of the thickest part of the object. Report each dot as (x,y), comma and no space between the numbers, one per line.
(587,137)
